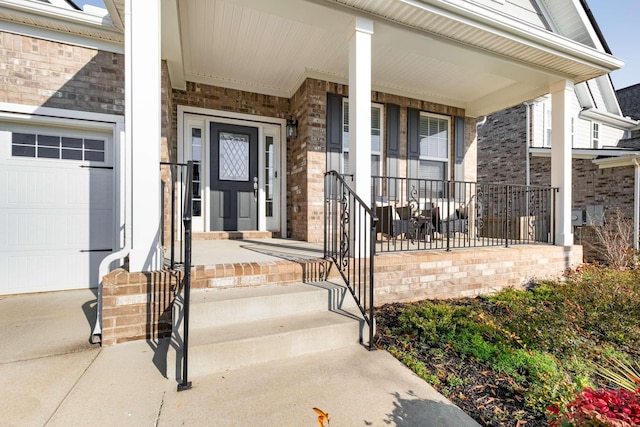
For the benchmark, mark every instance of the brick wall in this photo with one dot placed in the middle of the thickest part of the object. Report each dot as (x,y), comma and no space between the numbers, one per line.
(51,74)
(415,276)
(501,158)
(137,305)
(306,154)
(502,147)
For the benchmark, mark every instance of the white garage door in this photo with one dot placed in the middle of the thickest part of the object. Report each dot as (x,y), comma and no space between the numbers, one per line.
(56,207)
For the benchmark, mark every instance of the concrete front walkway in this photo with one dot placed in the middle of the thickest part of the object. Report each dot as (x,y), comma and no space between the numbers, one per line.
(51,376)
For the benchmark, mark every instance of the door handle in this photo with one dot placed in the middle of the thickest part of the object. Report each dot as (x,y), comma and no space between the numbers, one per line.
(255,187)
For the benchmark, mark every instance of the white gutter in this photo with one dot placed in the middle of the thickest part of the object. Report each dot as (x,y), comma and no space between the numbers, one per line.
(501,24)
(608,118)
(527,106)
(588,153)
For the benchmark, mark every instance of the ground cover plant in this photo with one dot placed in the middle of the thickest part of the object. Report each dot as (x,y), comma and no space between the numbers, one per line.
(524,357)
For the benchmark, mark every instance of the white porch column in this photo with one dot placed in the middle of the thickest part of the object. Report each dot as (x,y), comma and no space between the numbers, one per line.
(142,122)
(360,122)
(561,97)
(360,106)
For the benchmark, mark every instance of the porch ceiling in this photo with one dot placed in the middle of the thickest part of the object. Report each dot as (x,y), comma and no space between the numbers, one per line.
(467,57)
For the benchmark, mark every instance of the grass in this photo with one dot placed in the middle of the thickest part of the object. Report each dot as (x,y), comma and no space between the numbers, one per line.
(540,345)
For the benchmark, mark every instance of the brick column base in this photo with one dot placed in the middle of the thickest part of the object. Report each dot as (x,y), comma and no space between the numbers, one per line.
(137,306)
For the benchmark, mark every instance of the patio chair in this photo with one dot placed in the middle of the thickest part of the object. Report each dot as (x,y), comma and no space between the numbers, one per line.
(385,216)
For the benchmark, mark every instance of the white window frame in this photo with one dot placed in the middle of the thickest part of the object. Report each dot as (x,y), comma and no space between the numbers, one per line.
(546,125)
(595,135)
(345,137)
(447,158)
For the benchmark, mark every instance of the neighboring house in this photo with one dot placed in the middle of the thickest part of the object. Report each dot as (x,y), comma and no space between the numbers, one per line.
(514,146)
(629,99)
(91,103)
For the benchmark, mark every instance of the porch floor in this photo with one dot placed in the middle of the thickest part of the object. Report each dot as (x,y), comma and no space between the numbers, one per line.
(268,249)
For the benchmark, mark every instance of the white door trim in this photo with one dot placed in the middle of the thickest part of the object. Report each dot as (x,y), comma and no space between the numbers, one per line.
(268,124)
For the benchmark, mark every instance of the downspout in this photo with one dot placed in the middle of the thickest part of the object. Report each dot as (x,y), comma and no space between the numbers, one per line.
(528,144)
(636,202)
(105,265)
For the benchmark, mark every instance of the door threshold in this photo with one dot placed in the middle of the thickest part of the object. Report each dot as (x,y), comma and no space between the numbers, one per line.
(235,235)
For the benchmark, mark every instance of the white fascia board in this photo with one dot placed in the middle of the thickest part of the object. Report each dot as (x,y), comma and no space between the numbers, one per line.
(495,22)
(616,162)
(172,43)
(608,118)
(114,14)
(585,99)
(583,153)
(60,37)
(10,110)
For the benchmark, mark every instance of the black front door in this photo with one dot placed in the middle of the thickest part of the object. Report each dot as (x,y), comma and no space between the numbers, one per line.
(234,177)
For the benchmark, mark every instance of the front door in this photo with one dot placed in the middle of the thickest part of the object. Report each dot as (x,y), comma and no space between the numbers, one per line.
(234,177)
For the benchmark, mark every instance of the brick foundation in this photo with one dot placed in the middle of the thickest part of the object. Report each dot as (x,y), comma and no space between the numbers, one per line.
(414,276)
(137,306)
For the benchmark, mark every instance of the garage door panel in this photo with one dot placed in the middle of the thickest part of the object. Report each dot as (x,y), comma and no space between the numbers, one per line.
(81,187)
(56,220)
(23,273)
(33,229)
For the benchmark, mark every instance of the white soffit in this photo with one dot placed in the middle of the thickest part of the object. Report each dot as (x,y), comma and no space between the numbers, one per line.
(46,17)
(457,57)
(489,29)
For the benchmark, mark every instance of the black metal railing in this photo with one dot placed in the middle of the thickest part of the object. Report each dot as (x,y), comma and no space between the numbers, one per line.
(175,235)
(418,214)
(349,241)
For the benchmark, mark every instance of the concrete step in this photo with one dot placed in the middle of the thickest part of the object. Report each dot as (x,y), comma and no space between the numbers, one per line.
(238,327)
(219,307)
(219,349)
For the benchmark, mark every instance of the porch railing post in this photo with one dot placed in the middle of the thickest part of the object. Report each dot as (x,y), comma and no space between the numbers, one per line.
(187,217)
(173,172)
(506,216)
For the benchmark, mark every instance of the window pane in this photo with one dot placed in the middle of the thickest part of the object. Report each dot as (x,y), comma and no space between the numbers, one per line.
(434,137)
(95,156)
(197,208)
(72,154)
(71,142)
(49,153)
(23,138)
(94,144)
(431,170)
(23,151)
(375,165)
(234,157)
(345,163)
(48,141)
(196,144)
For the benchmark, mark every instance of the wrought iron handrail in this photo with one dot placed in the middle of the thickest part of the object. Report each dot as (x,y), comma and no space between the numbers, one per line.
(181,173)
(350,231)
(418,214)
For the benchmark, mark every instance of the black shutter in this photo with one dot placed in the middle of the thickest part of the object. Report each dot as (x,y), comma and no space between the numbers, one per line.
(459,139)
(334,123)
(393,131)
(413,134)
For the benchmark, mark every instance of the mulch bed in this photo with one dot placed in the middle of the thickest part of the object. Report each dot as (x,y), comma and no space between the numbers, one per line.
(490,399)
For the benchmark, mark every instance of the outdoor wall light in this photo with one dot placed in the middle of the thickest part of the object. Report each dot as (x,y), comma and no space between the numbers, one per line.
(292,127)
